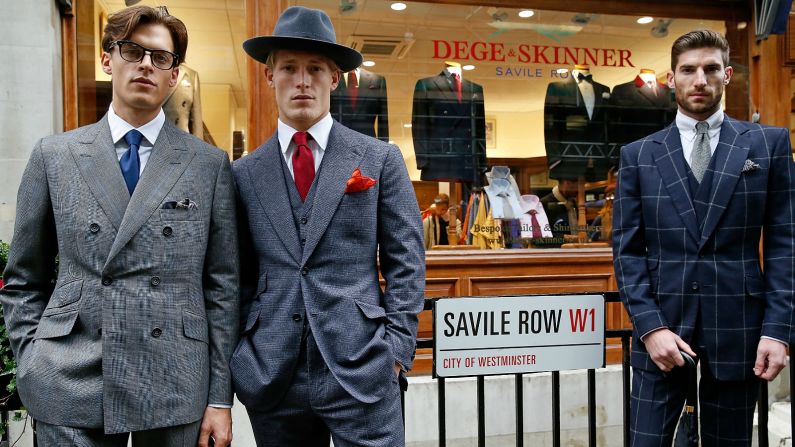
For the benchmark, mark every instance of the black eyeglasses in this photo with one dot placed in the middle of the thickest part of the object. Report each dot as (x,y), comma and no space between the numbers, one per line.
(132,52)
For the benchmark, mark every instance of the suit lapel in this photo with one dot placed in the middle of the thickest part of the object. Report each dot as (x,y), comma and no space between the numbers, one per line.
(672,169)
(266,175)
(95,156)
(730,155)
(169,159)
(341,157)
(444,85)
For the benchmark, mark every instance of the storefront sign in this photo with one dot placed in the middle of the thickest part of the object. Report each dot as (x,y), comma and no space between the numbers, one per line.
(518,334)
(461,50)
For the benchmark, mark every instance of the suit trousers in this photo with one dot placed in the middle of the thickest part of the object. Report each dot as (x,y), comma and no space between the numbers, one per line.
(316,407)
(48,435)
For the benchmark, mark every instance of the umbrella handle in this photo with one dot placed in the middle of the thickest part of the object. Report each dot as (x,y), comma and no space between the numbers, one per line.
(689,361)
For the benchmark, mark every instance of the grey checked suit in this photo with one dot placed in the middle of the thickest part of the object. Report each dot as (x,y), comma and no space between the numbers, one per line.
(322,266)
(687,258)
(138,329)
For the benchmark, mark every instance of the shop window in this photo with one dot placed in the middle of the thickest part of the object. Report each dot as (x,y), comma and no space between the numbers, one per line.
(463,90)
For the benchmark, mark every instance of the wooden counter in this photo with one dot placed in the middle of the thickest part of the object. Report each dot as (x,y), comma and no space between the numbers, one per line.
(519,272)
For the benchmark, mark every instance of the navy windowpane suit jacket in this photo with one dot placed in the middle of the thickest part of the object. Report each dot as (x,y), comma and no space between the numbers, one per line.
(672,263)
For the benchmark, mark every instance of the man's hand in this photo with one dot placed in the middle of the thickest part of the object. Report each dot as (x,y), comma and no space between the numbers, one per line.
(663,346)
(771,357)
(217,422)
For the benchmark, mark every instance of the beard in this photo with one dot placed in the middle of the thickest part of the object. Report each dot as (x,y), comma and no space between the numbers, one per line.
(705,107)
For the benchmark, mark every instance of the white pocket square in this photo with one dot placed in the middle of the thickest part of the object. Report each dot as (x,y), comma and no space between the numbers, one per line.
(750,166)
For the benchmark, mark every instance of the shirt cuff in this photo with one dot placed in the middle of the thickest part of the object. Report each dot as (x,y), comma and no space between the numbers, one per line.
(642,337)
(219,405)
(775,339)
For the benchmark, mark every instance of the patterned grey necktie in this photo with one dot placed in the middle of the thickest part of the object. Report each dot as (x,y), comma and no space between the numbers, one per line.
(699,159)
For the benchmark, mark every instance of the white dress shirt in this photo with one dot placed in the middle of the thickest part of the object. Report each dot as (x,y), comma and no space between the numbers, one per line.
(687,132)
(150,131)
(587,92)
(319,132)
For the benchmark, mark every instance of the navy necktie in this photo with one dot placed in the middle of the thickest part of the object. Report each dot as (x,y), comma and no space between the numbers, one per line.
(130,163)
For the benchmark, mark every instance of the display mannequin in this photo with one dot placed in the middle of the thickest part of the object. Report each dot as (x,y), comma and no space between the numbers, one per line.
(363,106)
(183,107)
(640,107)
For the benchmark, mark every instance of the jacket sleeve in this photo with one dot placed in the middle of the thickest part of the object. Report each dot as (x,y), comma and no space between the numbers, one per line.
(402,257)
(30,272)
(629,249)
(420,123)
(779,242)
(221,286)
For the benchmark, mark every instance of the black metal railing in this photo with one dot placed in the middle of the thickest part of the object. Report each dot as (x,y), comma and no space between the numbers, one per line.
(624,335)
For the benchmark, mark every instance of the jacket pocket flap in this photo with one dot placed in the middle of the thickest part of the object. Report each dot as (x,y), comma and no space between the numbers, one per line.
(371,311)
(253,316)
(755,287)
(262,283)
(64,295)
(194,326)
(56,325)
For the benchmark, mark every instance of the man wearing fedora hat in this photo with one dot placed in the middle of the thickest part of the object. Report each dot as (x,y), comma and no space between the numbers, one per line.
(323,210)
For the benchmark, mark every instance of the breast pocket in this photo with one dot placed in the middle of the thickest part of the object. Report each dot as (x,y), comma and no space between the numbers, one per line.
(179,214)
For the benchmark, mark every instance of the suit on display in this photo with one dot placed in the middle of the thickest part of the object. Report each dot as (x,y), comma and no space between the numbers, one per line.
(183,107)
(575,133)
(137,331)
(639,108)
(362,108)
(449,132)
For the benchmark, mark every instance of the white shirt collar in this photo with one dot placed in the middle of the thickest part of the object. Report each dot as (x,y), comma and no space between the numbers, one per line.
(687,125)
(150,130)
(319,132)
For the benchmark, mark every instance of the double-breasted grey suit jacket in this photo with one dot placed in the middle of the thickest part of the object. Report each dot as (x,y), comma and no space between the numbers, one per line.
(331,277)
(137,331)
(677,256)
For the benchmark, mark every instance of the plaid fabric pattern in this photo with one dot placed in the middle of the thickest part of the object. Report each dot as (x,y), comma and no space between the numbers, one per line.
(138,330)
(326,272)
(670,264)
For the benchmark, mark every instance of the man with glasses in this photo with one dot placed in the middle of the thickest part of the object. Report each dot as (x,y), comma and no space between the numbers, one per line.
(132,330)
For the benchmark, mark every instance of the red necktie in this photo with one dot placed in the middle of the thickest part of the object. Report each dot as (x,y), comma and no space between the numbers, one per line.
(303,164)
(353,87)
(457,86)
(535,225)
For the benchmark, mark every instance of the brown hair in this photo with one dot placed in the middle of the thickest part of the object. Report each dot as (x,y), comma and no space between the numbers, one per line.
(442,199)
(122,24)
(702,38)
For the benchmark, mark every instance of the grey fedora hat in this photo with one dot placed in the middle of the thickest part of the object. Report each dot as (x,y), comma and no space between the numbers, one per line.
(304,29)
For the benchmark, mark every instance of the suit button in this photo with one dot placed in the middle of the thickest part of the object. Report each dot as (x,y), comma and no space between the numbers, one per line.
(303,240)
(99,331)
(167,231)
(155,281)
(94,227)
(694,286)
(296,317)
(304,220)
(157,332)
(106,281)
(304,271)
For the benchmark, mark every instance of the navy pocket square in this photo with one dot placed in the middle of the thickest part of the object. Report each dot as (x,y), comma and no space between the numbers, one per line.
(184,204)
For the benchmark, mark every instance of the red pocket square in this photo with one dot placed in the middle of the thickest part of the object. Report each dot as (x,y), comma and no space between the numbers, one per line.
(358,182)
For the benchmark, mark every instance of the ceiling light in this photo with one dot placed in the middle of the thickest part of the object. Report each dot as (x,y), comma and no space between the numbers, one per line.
(742,25)
(525,13)
(398,6)
(645,20)
(407,126)
(468,67)
(562,71)
(368,63)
